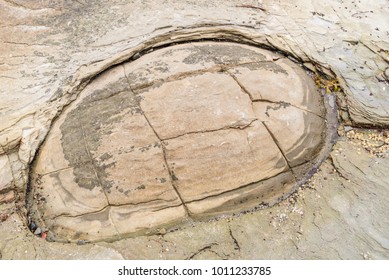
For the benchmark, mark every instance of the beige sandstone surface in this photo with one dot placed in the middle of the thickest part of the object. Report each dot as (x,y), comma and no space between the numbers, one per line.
(177,138)
(51,50)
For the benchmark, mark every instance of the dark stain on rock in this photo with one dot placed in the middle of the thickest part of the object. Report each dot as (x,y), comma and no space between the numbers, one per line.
(102,216)
(83,129)
(265,65)
(280,105)
(105,156)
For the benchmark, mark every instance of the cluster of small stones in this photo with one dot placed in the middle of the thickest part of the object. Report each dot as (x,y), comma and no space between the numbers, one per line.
(375,142)
(185,132)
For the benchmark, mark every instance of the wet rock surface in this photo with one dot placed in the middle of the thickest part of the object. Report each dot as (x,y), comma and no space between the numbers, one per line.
(184,132)
(51,51)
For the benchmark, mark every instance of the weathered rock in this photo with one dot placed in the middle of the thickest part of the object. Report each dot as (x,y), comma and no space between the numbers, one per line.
(298,133)
(5,173)
(177,136)
(339,214)
(38,231)
(50,50)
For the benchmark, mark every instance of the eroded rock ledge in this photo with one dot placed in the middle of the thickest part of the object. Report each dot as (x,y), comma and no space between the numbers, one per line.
(184,132)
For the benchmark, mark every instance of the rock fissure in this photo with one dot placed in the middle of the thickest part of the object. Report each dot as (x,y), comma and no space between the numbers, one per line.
(278,146)
(93,163)
(242,87)
(171,174)
(237,188)
(217,68)
(173,178)
(205,248)
(235,241)
(238,125)
(61,169)
(115,206)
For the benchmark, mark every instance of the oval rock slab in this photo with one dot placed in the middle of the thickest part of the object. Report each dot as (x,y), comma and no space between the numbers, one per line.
(187,131)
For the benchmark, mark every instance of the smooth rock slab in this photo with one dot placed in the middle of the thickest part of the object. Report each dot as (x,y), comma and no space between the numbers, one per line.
(188,131)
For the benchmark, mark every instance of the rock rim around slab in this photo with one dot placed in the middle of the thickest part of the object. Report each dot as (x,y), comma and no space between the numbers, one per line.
(185,132)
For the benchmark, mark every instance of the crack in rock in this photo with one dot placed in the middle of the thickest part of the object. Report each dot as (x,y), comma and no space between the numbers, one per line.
(203,249)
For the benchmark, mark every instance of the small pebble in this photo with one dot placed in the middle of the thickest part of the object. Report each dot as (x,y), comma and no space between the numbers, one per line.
(347,128)
(38,231)
(33,226)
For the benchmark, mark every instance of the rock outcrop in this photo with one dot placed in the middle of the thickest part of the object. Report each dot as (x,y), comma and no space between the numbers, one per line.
(187,131)
(50,51)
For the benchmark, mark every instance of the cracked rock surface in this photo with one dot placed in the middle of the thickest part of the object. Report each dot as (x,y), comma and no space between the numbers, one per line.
(51,50)
(186,131)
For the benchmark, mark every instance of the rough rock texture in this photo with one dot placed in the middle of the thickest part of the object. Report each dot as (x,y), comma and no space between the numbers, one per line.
(179,135)
(340,214)
(49,50)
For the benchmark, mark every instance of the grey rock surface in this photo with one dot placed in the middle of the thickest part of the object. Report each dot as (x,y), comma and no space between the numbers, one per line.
(51,50)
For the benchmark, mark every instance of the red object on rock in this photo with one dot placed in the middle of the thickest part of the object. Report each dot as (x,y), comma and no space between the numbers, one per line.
(44,234)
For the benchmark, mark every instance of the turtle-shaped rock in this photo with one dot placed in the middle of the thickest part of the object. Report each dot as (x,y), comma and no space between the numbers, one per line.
(187,131)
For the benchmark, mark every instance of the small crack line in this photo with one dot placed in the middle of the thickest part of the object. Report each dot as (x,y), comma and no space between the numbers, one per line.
(81,163)
(24,44)
(338,171)
(218,67)
(259,7)
(117,205)
(58,170)
(237,246)
(22,118)
(279,148)
(7,190)
(171,174)
(288,104)
(176,77)
(238,188)
(92,162)
(201,250)
(166,207)
(212,130)
(242,87)
(8,77)
(109,96)
(111,220)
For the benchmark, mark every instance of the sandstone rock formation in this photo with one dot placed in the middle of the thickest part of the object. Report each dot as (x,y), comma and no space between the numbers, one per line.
(51,50)
(185,131)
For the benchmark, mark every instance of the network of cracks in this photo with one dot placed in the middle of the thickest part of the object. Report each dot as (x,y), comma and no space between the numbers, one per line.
(187,132)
